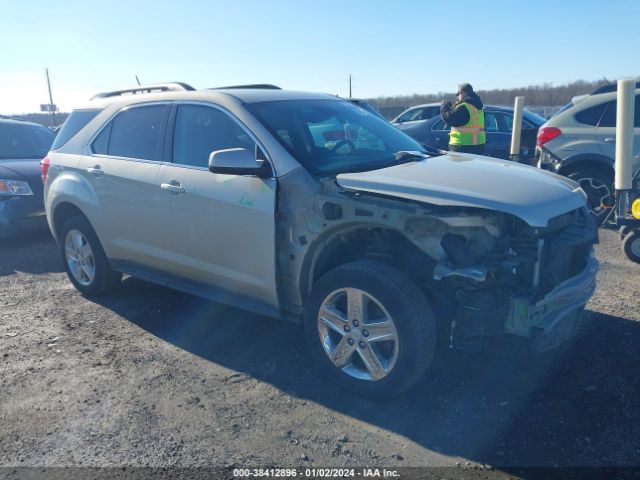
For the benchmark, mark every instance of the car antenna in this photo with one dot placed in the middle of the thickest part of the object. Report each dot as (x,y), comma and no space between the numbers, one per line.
(138,80)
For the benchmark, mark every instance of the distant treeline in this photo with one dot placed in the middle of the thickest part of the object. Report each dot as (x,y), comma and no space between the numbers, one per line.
(535,95)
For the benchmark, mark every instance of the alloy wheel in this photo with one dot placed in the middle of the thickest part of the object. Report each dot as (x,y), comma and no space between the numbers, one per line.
(79,256)
(598,195)
(358,334)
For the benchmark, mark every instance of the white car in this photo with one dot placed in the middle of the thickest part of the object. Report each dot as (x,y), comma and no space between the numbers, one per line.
(308,208)
(579,142)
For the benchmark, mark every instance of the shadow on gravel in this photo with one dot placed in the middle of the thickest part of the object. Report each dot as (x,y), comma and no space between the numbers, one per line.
(34,252)
(576,406)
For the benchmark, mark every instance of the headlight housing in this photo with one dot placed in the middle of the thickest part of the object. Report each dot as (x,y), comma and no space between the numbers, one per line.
(10,188)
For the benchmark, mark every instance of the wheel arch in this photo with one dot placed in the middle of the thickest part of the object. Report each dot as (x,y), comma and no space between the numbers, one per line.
(61,213)
(357,242)
(586,160)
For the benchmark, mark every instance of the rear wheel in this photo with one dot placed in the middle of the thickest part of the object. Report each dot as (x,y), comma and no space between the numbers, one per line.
(631,245)
(369,328)
(84,259)
(598,185)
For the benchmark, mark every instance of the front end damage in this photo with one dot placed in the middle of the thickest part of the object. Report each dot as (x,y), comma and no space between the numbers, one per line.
(489,273)
(507,277)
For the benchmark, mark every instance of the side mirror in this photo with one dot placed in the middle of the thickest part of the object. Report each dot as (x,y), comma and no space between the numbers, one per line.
(238,161)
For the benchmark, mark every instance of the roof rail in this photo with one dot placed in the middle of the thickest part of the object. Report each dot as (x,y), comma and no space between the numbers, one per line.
(260,86)
(151,88)
(612,87)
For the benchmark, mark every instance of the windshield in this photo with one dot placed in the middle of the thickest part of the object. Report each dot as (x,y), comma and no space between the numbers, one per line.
(24,141)
(334,136)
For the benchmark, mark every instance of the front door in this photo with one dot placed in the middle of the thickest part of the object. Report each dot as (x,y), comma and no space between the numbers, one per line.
(219,229)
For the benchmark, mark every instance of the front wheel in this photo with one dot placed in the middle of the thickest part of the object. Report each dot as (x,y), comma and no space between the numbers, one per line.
(598,185)
(370,329)
(631,245)
(84,259)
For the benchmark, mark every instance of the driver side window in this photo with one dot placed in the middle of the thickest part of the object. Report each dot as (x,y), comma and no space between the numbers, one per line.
(201,130)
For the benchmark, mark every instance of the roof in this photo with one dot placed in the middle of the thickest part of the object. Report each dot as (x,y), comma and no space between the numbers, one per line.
(178,91)
(251,95)
(612,87)
(19,122)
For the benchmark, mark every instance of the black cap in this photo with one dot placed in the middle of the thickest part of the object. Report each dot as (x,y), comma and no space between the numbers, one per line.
(465,88)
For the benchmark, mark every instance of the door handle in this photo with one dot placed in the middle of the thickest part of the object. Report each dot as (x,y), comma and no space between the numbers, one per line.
(95,170)
(173,186)
(610,140)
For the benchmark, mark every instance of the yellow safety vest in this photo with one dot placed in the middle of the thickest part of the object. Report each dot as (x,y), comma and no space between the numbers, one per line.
(473,132)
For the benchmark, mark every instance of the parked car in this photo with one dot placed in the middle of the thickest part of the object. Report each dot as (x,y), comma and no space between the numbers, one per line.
(498,124)
(579,142)
(375,246)
(415,116)
(366,105)
(22,146)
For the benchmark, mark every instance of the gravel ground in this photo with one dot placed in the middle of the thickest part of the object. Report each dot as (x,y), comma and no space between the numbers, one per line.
(150,376)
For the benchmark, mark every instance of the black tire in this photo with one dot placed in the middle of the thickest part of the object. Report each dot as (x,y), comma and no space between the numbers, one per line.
(105,278)
(405,304)
(631,245)
(624,230)
(595,197)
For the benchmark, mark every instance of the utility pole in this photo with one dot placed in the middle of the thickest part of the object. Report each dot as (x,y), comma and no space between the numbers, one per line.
(51,104)
(349,85)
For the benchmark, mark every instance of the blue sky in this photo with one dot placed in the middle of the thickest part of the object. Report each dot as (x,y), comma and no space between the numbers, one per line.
(389,47)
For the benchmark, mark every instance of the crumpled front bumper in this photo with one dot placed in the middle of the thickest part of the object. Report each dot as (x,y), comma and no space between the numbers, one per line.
(548,319)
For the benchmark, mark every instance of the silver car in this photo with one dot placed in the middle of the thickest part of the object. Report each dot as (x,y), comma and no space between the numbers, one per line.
(579,142)
(308,208)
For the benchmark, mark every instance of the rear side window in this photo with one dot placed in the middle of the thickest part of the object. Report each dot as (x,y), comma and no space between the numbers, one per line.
(490,122)
(72,125)
(591,115)
(609,117)
(201,130)
(134,133)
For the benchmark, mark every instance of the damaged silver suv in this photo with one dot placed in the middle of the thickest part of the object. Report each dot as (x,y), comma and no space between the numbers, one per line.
(308,208)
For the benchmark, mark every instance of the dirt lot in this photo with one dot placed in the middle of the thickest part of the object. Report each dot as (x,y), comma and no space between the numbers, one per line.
(149,376)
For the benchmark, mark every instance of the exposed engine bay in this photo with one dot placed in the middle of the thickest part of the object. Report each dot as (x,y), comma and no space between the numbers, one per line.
(488,272)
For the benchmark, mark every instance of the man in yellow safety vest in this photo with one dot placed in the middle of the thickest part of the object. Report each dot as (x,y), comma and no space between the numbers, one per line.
(466,119)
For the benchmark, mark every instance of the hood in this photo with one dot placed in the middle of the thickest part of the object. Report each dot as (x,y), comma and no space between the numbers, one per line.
(474,100)
(459,179)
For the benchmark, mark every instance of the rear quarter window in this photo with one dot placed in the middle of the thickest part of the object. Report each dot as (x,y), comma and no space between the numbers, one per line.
(592,115)
(72,125)
(609,117)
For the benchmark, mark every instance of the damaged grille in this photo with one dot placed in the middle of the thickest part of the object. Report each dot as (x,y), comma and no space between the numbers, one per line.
(566,252)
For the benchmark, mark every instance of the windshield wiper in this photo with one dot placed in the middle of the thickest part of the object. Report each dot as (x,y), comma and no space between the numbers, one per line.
(401,155)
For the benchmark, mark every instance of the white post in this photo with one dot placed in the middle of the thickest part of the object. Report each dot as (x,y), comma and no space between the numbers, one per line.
(516,129)
(624,134)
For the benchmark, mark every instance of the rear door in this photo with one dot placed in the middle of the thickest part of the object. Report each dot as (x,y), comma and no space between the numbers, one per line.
(440,135)
(123,169)
(497,137)
(606,130)
(220,229)
(527,140)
